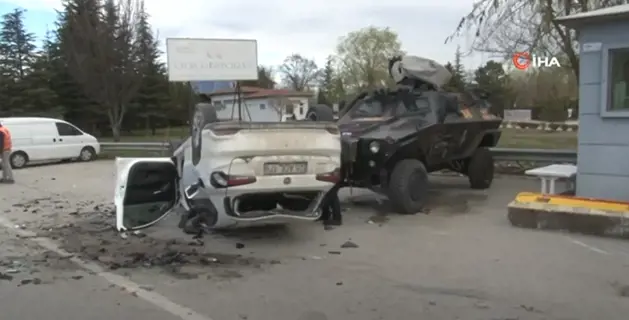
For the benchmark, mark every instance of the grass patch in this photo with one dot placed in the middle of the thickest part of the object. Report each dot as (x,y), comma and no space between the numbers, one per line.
(511,138)
(537,139)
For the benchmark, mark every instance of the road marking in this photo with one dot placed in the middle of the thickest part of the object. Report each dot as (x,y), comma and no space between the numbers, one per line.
(589,247)
(152,297)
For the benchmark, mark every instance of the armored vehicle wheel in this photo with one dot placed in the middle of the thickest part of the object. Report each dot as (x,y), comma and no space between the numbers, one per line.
(408,186)
(320,112)
(480,169)
(204,113)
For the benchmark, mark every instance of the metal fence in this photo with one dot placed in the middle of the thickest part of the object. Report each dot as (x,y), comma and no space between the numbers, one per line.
(500,154)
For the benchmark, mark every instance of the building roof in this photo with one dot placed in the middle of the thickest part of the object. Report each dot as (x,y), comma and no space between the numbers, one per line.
(257,93)
(609,14)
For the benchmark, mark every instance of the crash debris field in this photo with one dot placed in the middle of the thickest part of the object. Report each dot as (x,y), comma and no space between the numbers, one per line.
(458,259)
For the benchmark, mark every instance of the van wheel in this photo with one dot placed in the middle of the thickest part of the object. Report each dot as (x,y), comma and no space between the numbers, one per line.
(87,154)
(18,159)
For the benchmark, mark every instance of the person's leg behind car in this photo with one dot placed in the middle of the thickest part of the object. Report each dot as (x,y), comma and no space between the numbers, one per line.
(331,207)
(7,171)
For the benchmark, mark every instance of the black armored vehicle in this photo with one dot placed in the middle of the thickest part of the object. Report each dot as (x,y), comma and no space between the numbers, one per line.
(392,138)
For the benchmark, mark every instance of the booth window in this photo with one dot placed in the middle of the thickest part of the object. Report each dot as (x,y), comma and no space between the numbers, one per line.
(619,80)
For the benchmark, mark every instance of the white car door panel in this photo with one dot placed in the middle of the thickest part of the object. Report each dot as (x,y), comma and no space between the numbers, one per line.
(69,140)
(147,190)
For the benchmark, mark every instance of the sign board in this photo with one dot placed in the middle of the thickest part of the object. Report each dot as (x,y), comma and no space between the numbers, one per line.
(211,59)
(517,115)
(208,87)
(591,47)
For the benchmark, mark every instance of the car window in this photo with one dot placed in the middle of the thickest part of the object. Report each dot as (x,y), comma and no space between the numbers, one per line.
(368,109)
(65,129)
(420,104)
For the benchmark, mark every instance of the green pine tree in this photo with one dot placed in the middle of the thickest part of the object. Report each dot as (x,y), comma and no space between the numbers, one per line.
(151,100)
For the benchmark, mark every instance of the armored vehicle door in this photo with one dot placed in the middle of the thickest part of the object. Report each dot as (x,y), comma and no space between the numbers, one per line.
(440,137)
(458,127)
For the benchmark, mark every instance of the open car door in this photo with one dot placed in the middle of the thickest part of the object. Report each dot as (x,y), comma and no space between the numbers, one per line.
(146,191)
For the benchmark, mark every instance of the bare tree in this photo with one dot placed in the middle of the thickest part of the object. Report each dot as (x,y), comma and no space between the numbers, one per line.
(363,57)
(100,49)
(299,73)
(503,27)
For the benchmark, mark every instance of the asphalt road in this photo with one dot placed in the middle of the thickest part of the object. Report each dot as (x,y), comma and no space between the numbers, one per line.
(460,260)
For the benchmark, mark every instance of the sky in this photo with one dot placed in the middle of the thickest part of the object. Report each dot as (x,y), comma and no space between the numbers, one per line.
(283,27)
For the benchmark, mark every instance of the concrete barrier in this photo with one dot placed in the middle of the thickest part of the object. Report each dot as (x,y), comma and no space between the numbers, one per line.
(567,126)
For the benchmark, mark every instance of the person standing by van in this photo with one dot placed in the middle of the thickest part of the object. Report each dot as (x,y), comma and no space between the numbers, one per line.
(5,146)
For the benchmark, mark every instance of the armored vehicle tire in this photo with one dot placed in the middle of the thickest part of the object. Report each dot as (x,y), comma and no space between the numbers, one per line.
(320,112)
(480,169)
(408,186)
(204,113)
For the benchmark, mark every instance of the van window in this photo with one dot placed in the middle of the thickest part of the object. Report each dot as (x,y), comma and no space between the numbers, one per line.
(65,129)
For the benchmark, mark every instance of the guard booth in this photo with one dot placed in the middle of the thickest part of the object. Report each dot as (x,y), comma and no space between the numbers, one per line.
(603,151)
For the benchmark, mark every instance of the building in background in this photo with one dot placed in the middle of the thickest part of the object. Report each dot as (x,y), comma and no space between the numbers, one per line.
(261,105)
(603,152)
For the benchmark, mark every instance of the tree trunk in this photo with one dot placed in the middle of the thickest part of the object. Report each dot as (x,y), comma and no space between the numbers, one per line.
(115,130)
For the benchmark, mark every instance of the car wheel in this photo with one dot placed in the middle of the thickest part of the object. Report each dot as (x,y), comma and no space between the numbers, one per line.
(87,154)
(408,186)
(202,213)
(480,170)
(18,159)
(320,112)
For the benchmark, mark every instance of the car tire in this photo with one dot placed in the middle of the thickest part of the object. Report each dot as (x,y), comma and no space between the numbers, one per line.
(408,186)
(480,170)
(320,112)
(87,154)
(204,113)
(18,159)
(202,211)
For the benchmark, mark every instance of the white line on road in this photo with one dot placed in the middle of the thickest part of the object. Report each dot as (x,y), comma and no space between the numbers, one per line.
(152,297)
(589,247)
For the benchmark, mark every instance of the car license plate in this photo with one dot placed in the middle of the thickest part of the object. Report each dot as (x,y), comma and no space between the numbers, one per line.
(275,168)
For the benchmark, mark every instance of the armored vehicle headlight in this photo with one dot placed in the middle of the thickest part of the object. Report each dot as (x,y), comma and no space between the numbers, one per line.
(374,147)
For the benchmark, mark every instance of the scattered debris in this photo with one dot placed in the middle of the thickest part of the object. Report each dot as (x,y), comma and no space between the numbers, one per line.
(378,219)
(623,291)
(35,281)
(6,277)
(529,308)
(147,287)
(349,244)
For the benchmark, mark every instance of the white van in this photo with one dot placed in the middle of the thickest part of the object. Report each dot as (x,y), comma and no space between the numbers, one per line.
(47,140)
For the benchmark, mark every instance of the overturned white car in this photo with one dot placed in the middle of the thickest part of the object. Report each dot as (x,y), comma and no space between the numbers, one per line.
(232,174)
